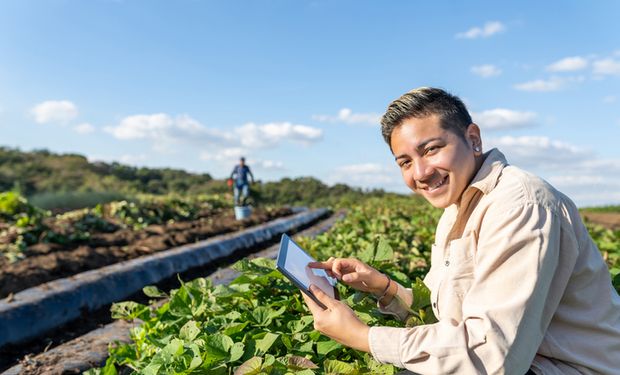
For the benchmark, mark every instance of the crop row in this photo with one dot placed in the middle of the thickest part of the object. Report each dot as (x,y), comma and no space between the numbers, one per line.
(259,323)
(23,225)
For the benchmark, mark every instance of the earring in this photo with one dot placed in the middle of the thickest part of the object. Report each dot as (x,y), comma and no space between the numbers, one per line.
(476,148)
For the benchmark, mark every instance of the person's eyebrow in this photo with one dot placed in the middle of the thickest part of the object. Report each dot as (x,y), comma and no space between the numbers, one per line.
(419,147)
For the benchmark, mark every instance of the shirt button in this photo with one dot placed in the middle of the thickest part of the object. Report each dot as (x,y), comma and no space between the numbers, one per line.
(447,263)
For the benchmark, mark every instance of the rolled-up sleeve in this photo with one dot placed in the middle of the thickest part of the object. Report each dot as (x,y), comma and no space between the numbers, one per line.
(400,306)
(518,281)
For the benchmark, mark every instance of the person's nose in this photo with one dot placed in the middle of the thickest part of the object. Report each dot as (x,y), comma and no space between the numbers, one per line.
(422,170)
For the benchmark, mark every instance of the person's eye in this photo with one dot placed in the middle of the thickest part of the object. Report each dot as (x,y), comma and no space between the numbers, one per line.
(404,163)
(431,150)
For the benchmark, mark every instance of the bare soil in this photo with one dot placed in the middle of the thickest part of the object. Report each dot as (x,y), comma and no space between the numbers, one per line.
(610,220)
(49,261)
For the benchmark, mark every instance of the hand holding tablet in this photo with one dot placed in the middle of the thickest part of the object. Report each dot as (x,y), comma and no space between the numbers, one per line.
(293,262)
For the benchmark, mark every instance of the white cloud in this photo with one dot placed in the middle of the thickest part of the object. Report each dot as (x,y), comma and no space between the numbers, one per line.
(272,165)
(346,115)
(164,131)
(610,99)
(590,181)
(84,128)
(489,28)
(54,111)
(501,118)
(142,126)
(568,64)
(168,135)
(367,175)
(161,127)
(537,151)
(486,71)
(226,154)
(552,84)
(606,67)
(230,156)
(575,171)
(252,135)
(541,85)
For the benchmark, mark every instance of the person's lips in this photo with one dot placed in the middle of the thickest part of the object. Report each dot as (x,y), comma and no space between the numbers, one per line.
(436,185)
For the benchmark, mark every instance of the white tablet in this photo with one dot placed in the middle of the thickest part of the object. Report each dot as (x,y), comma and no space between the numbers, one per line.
(293,263)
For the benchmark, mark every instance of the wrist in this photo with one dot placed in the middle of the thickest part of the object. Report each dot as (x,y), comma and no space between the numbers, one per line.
(362,342)
(389,294)
(383,288)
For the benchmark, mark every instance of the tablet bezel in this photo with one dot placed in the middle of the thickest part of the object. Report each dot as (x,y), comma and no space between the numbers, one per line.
(280,265)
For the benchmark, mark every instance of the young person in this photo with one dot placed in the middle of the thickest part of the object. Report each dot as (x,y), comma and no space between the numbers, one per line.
(516,282)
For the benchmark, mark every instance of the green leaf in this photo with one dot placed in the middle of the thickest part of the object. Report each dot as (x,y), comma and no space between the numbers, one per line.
(172,350)
(324,347)
(263,345)
(196,358)
(306,347)
(235,328)
(250,367)
(257,266)
(286,340)
(384,251)
(180,303)
(153,292)
(616,282)
(189,331)
(236,351)
(109,368)
(304,372)
(375,367)
(269,361)
(367,254)
(300,324)
(129,310)
(219,343)
(332,366)
(421,295)
(151,369)
(263,316)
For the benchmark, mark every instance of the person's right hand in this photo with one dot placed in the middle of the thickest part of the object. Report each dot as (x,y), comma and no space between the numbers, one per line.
(354,273)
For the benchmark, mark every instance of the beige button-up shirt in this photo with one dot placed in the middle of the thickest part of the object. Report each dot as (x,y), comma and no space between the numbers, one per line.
(516,283)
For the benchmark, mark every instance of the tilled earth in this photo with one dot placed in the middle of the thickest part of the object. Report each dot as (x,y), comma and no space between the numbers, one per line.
(48,261)
(610,220)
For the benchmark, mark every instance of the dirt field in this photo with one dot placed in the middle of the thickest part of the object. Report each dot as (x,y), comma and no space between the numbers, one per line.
(49,261)
(609,220)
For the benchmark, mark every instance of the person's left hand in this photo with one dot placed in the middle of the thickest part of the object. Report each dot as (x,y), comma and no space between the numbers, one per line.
(338,321)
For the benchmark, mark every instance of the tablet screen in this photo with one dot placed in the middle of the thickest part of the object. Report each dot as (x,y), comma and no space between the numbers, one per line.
(293,261)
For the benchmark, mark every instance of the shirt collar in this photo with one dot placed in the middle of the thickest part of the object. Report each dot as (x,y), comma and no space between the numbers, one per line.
(488,174)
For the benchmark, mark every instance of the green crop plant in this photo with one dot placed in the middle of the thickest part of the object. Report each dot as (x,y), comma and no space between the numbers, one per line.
(258,324)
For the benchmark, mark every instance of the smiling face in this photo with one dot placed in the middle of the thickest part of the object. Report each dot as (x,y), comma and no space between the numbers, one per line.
(435,162)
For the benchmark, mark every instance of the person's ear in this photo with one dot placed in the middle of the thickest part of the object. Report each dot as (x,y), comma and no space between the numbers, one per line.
(472,135)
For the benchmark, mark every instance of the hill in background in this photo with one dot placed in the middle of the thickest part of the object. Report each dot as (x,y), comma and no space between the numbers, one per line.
(70,181)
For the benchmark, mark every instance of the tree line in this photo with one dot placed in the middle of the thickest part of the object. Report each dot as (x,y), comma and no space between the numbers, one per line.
(41,173)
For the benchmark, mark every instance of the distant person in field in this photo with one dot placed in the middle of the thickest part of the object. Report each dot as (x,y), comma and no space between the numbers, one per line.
(516,282)
(241,184)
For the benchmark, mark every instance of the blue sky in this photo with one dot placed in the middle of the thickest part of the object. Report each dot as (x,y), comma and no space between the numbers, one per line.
(298,86)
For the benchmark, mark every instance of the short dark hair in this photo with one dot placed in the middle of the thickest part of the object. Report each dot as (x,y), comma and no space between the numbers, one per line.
(423,102)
